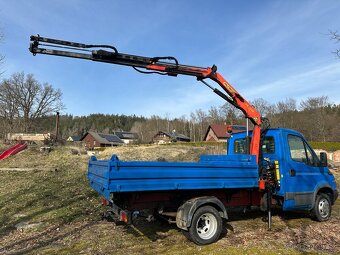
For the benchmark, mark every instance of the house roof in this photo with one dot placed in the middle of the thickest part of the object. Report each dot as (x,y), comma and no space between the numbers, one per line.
(75,138)
(174,135)
(126,135)
(104,138)
(221,130)
(181,136)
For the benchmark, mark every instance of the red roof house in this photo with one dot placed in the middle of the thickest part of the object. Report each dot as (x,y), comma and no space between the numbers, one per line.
(219,132)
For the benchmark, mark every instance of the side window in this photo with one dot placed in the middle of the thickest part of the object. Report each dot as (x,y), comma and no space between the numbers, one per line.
(312,159)
(240,146)
(268,146)
(297,148)
(301,152)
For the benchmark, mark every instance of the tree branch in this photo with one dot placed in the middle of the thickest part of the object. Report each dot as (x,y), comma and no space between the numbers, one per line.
(335,36)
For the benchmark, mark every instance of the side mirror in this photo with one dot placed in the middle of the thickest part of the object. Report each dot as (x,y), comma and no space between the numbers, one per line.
(323,159)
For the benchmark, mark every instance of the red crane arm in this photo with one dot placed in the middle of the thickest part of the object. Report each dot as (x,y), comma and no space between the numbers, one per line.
(238,101)
(160,65)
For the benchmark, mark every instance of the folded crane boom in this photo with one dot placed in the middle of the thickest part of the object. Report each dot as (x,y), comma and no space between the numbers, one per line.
(160,65)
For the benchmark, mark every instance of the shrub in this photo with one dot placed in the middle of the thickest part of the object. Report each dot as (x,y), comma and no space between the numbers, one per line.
(327,146)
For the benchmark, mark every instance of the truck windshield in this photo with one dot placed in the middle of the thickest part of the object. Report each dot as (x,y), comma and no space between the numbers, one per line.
(268,145)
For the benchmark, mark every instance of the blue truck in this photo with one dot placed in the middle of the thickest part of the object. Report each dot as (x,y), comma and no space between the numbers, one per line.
(197,195)
(262,167)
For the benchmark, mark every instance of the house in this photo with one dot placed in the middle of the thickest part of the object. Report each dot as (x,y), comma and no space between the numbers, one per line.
(94,140)
(166,137)
(73,138)
(219,132)
(127,137)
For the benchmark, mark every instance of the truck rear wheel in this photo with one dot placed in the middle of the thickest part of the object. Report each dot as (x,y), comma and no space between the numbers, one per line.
(322,208)
(206,226)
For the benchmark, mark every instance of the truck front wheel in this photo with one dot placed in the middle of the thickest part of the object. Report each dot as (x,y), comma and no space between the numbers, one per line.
(322,207)
(206,226)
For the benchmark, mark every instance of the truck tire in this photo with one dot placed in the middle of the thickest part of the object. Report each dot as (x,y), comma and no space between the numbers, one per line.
(322,207)
(206,226)
(186,234)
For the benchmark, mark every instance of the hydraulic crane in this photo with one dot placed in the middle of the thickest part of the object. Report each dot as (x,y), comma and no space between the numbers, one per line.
(159,65)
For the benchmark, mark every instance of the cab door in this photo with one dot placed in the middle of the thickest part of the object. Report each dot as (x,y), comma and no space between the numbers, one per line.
(303,173)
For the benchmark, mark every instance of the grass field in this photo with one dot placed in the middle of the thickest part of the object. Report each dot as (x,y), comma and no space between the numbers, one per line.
(50,209)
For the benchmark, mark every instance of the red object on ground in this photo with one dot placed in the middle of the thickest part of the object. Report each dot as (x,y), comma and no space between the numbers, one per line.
(13,150)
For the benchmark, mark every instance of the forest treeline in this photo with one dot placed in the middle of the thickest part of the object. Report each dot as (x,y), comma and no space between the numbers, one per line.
(315,117)
(29,106)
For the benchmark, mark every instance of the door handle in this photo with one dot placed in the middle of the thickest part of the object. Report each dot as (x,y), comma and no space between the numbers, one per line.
(292,172)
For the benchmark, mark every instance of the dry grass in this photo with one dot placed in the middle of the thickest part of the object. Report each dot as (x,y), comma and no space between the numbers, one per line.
(66,214)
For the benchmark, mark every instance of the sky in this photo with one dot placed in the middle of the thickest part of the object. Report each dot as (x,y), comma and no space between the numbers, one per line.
(270,49)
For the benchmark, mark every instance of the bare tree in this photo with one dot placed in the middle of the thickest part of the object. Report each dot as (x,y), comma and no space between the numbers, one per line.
(137,127)
(283,114)
(317,120)
(214,115)
(335,36)
(288,105)
(202,118)
(2,57)
(312,103)
(193,121)
(262,106)
(230,113)
(23,98)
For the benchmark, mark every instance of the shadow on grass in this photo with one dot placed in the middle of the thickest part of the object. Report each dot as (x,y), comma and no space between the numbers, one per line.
(158,229)
(151,230)
(240,214)
(44,239)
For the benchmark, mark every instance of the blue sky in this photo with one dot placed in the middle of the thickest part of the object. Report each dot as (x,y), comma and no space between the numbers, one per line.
(270,49)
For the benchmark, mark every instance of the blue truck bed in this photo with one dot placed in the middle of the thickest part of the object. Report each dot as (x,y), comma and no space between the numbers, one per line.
(211,172)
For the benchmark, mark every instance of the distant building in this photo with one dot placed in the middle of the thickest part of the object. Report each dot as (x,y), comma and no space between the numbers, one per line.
(73,138)
(28,137)
(127,137)
(166,137)
(94,140)
(219,132)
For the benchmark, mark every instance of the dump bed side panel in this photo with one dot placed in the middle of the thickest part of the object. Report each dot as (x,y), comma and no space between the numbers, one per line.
(211,172)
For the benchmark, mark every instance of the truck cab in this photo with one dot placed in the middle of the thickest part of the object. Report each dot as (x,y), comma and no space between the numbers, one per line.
(304,180)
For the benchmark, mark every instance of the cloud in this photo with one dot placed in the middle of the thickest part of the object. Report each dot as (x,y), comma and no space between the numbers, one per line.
(321,80)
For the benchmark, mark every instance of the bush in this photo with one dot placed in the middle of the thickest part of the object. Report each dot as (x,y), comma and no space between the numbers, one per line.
(327,146)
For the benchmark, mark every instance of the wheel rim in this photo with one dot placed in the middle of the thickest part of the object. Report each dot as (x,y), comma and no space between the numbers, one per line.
(206,226)
(324,207)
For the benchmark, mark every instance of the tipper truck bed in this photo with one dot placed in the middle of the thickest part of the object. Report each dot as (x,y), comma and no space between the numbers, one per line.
(211,172)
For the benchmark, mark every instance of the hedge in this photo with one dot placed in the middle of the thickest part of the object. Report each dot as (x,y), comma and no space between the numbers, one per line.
(327,146)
